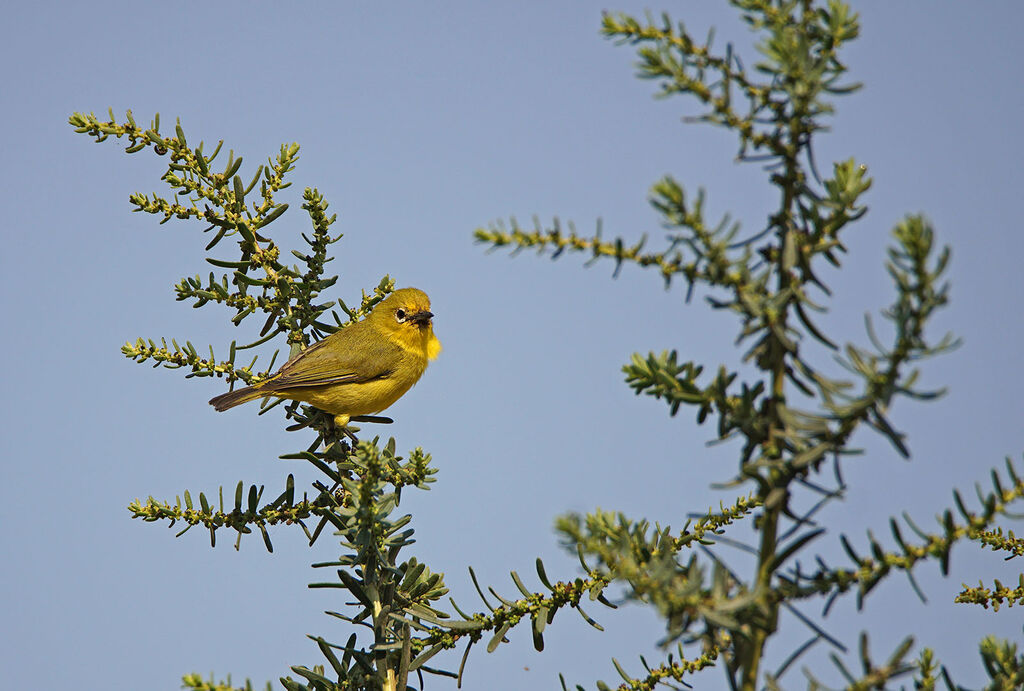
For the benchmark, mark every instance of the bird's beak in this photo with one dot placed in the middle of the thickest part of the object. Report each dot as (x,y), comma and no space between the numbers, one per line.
(421,318)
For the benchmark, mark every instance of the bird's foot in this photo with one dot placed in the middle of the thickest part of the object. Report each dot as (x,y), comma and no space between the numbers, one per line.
(341,423)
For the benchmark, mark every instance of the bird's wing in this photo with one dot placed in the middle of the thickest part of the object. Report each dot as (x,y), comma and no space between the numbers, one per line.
(335,360)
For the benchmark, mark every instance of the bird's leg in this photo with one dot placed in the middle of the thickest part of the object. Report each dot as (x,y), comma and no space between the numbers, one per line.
(341,422)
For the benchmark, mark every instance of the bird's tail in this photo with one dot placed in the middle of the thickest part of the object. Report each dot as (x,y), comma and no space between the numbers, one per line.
(236,397)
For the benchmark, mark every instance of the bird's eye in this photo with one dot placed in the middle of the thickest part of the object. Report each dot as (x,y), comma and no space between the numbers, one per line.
(400,315)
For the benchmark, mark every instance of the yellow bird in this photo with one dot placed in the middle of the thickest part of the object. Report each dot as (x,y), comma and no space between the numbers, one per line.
(359,370)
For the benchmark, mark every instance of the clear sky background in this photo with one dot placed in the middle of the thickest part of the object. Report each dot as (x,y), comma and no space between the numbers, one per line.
(421,124)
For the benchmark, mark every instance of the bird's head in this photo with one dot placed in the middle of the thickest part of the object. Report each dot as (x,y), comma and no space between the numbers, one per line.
(405,315)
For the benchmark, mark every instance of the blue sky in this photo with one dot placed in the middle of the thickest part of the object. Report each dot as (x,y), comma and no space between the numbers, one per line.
(420,125)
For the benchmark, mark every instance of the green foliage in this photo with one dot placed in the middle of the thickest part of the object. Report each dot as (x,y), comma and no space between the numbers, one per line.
(258,280)
(794,417)
(870,569)
(197,683)
(360,484)
(995,596)
(1003,664)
